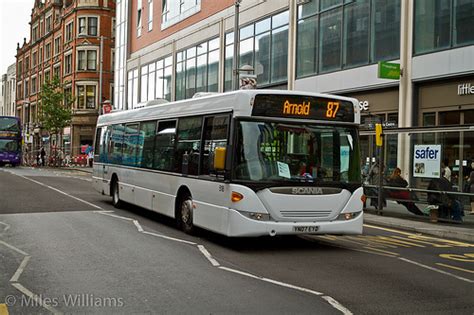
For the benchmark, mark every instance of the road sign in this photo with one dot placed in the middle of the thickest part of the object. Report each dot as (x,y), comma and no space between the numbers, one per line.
(388,70)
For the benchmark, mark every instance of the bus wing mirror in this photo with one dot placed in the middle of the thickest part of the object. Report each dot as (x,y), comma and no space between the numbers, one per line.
(219,158)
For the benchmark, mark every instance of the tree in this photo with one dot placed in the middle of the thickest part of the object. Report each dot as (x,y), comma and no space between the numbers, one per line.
(55,111)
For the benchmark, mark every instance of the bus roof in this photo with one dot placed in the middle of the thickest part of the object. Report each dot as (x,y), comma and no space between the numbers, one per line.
(239,102)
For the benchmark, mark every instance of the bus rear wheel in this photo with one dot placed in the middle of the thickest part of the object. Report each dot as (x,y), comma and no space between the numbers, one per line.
(116,195)
(186,215)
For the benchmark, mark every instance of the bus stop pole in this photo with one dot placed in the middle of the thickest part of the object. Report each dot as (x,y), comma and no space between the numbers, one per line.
(380,148)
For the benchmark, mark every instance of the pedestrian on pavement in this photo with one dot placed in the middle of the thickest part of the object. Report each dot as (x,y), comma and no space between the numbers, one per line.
(396,180)
(375,181)
(447,170)
(471,190)
(43,156)
(448,206)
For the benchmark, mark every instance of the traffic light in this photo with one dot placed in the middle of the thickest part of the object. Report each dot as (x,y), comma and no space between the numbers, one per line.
(378,135)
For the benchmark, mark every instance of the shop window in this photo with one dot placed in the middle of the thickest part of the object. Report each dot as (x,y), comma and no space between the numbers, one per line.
(449,118)
(469,117)
(429,119)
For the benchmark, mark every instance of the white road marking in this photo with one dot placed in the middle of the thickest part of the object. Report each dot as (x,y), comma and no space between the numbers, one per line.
(59,191)
(6,226)
(114,215)
(337,305)
(206,254)
(286,285)
(20,269)
(14,248)
(139,227)
(170,238)
(35,297)
(436,270)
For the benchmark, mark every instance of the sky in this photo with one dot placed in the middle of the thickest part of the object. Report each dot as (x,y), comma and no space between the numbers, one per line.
(14,18)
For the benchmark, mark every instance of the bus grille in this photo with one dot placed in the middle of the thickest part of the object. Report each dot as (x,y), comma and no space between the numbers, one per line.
(306,214)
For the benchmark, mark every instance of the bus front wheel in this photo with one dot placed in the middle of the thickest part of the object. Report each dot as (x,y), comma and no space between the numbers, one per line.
(116,194)
(186,215)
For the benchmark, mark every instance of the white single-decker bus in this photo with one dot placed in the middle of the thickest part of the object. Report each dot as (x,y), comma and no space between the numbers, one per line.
(244,163)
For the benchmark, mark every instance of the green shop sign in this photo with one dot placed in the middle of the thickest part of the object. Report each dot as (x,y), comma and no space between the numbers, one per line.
(389,70)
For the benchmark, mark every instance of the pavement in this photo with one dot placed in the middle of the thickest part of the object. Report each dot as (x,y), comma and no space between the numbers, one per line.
(397,216)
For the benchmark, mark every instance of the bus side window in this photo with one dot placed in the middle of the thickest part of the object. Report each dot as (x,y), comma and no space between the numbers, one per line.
(165,139)
(189,144)
(116,142)
(147,142)
(215,136)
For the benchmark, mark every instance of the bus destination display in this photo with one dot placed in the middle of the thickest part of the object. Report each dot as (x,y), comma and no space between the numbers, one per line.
(305,107)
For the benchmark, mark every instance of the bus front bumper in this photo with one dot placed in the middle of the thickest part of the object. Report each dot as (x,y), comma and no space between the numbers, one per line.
(241,226)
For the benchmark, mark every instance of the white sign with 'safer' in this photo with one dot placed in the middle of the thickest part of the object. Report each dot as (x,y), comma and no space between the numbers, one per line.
(427,161)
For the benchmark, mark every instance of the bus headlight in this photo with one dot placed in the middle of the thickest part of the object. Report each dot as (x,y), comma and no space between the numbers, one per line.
(347,216)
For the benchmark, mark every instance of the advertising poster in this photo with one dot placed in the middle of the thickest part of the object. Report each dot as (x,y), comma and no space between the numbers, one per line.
(427,161)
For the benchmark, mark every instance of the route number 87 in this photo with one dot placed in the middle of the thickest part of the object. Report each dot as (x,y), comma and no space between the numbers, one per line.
(333,107)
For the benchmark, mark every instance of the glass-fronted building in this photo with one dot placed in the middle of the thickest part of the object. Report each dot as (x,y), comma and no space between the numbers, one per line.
(178,48)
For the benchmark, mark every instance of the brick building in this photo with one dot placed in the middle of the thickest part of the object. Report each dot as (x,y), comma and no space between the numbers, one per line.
(67,39)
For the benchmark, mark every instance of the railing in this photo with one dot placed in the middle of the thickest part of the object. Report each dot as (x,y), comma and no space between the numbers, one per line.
(419,196)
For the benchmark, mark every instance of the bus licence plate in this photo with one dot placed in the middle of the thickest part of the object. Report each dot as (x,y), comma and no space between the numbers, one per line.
(305,229)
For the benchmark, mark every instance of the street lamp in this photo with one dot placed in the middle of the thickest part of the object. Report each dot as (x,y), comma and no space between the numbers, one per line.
(236,45)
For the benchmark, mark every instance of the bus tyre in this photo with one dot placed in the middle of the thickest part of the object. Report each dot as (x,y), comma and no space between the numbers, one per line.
(116,194)
(186,215)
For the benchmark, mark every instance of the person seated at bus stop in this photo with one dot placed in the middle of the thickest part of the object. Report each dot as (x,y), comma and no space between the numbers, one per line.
(374,179)
(448,206)
(396,180)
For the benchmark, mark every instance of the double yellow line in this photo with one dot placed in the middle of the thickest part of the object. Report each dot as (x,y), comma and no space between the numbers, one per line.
(3,309)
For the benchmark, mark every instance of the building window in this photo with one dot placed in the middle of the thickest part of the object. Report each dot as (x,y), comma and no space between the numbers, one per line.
(150,15)
(139,22)
(27,90)
(87,60)
(345,34)
(356,34)
(264,46)
(35,59)
(40,56)
(57,45)
(197,69)
(155,80)
(173,12)
(48,51)
(113,27)
(47,76)
(27,64)
(86,96)
(69,30)
(68,64)
(48,23)
(88,26)
(132,89)
(442,24)
(57,71)
(33,85)
(34,33)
